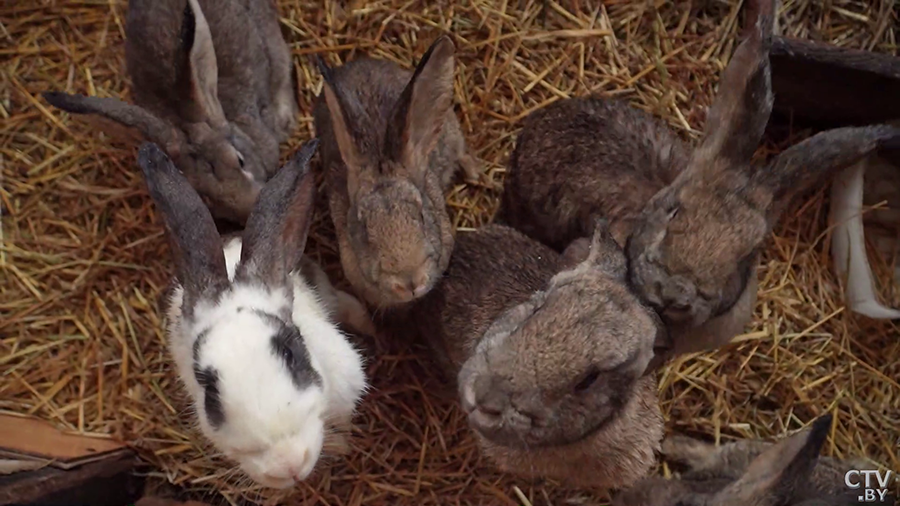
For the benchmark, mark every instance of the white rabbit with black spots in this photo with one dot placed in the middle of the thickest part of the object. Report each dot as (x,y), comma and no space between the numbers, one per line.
(270,375)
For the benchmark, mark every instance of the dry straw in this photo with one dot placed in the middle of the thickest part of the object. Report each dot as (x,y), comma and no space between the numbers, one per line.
(83,257)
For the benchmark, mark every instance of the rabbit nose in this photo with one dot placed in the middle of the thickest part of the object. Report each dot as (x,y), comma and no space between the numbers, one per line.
(301,469)
(677,294)
(529,410)
(412,289)
(678,306)
(420,291)
(403,290)
(299,475)
(420,282)
(489,399)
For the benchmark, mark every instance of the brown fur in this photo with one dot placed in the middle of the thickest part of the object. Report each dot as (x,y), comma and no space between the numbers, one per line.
(551,354)
(216,93)
(583,157)
(692,223)
(748,473)
(391,145)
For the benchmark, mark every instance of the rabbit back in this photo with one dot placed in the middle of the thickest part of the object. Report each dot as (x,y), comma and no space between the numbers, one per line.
(497,270)
(583,157)
(283,108)
(156,64)
(491,269)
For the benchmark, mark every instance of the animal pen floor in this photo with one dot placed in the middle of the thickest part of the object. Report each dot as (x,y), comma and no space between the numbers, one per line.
(84,258)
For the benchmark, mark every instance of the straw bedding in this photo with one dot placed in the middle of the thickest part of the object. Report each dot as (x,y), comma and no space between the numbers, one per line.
(84,258)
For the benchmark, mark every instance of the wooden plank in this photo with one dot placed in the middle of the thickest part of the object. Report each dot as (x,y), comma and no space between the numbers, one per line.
(109,481)
(828,86)
(30,438)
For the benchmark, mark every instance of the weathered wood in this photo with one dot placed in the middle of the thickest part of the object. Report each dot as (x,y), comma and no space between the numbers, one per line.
(826,86)
(43,465)
(30,438)
(105,482)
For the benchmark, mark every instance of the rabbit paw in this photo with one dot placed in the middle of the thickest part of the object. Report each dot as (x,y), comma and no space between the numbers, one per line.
(688,451)
(474,175)
(352,313)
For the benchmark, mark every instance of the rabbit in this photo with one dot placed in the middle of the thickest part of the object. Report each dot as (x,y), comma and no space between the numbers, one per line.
(551,354)
(213,87)
(749,473)
(391,145)
(692,222)
(270,376)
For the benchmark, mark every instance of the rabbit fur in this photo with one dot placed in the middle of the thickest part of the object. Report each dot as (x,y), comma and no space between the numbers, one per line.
(271,377)
(213,87)
(692,221)
(749,473)
(391,145)
(547,394)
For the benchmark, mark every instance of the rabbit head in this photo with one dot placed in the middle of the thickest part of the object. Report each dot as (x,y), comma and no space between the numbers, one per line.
(747,473)
(558,367)
(701,210)
(246,334)
(395,230)
(218,158)
(694,247)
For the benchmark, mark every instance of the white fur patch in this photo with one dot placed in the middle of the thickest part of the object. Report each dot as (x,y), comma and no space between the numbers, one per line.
(271,428)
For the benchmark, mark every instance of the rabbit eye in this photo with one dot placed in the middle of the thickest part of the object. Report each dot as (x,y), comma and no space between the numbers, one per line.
(240,160)
(288,356)
(588,380)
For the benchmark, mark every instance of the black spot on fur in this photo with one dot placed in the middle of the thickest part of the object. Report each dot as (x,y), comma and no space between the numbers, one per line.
(208,379)
(195,351)
(288,346)
(273,320)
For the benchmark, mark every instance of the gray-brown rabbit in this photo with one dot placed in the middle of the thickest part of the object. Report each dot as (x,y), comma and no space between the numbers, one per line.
(211,83)
(692,221)
(391,145)
(551,354)
(750,473)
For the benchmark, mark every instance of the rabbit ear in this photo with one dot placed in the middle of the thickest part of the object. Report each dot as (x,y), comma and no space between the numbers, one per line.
(419,114)
(343,136)
(775,474)
(662,346)
(195,242)
(816,159)
(576,252)
(151,127)
(605,252)
(737,119)
(200,73)
(275,236)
